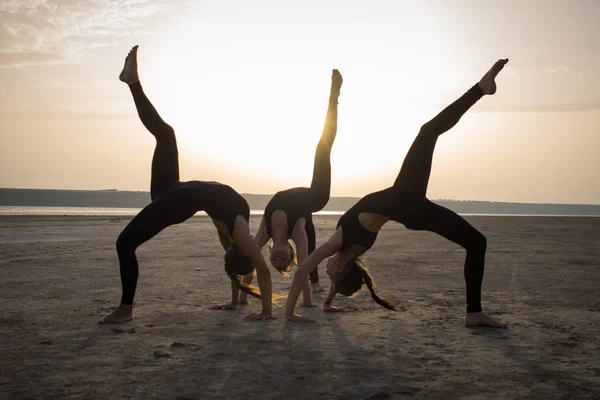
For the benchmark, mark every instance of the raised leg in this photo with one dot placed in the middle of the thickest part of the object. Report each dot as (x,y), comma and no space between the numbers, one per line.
(321,180)
(165,162)
(414,174)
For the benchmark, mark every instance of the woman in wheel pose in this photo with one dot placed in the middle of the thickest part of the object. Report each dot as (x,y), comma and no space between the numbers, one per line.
(174,202)
(405,202)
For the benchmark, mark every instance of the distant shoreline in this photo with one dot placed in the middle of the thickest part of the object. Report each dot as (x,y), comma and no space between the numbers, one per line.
(114,199)
(99,212)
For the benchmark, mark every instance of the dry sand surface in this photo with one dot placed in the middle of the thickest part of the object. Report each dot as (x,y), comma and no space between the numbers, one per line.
(59,276)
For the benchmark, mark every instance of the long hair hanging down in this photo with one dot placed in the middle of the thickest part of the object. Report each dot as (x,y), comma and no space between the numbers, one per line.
(352,278)
(251,290)
(368,279)
(236,265)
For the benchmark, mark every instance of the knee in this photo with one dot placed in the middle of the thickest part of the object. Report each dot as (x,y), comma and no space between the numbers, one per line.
(168,129)
(125,244)
(478,243)
(429,130)
(166,132)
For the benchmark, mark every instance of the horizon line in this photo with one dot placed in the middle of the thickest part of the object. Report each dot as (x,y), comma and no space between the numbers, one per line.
(331,197)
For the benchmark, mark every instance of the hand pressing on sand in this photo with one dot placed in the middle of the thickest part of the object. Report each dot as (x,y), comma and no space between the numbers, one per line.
(480,319)
(316,287)
(228,306)
(327,307)
(333,309)
(122,314)
(259,316)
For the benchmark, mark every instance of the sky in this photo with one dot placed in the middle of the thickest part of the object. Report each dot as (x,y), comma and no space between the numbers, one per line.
(245,85)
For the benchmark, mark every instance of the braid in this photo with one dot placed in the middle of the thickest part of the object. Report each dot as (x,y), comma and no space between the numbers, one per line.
(368,280)
(251,290)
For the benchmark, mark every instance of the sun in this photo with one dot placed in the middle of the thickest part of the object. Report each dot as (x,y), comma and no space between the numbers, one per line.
(261,111)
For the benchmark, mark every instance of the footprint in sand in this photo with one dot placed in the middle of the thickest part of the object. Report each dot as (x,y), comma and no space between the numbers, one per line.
(118,330)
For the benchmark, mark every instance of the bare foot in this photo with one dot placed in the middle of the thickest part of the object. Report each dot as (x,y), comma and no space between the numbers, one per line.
(330,308)
(316,287)
(298,318)
(129,75)
(487,84)
(227,306)
(122,314)
(336,81)
(259,316)
(480,319)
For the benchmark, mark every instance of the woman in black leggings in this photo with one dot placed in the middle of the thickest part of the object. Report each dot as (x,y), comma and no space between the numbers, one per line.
(288,215)
(174,202)
(405,202)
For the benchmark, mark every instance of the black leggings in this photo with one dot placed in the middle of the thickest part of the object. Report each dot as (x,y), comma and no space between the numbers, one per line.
(164,211)
(320,186)
(165,162)
(412,182)
(312,245)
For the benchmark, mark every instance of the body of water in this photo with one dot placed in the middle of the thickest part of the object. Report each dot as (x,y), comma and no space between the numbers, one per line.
(120,211)
(99,211)
(112,202)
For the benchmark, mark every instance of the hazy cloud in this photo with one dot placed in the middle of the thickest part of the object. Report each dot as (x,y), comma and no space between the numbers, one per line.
(92,110)
(45,32)
(561,107)
(101,110)
(559,69)
(27,57)
(564,70)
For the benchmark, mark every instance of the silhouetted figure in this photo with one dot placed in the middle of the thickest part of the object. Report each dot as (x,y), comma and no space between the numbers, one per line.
(174,202)
(404,202)
(288,215)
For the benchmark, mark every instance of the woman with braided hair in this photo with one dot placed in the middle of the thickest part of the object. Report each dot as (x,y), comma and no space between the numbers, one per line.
(404,202)
(173,202)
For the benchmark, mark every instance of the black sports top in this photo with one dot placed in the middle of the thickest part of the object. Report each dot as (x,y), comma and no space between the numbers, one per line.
(297,203)
(220,202)
(392,203)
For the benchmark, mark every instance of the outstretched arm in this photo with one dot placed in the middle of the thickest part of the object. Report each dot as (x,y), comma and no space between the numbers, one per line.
(262,236)
(326,250)
(225,242)
(247,245)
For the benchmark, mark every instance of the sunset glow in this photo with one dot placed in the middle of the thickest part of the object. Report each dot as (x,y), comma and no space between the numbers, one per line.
(245,86)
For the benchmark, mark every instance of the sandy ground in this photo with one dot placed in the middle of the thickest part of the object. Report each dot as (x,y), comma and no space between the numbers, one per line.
(59,275)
